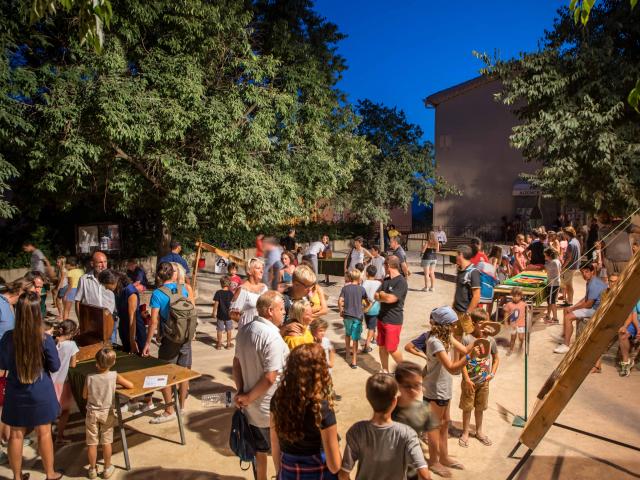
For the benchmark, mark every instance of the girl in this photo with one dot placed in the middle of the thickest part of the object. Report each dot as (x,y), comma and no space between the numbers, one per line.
(286,272)
(552,240)
(73,277)
(437,383)
(67,350)
(429,260)
(30,401)
(304,435)
(515,318)
(519,258)
(60,289)
(301,313)
(553,268)
(243,305)
(478,253)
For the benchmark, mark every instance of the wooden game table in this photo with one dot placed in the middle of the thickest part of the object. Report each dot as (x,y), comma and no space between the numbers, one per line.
(532,294)
(134,368)
(331,266)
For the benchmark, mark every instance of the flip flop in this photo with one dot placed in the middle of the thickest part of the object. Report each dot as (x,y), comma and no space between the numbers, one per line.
(463,443)
(455,465)
(441,471)
(484,440)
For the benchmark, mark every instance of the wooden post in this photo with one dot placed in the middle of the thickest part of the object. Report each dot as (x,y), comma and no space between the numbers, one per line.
(195,268)
(381,226)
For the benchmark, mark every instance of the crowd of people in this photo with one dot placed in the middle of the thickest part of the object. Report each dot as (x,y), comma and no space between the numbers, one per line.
(283,359)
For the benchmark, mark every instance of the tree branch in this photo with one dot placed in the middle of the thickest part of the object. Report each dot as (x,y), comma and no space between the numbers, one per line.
(121,154)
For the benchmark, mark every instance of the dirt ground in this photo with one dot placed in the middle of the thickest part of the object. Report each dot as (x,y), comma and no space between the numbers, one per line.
(605,404)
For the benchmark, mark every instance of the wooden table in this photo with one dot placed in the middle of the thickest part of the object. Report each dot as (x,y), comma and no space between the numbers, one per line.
(135,368)
(331,266)
(451,254)
(534,296)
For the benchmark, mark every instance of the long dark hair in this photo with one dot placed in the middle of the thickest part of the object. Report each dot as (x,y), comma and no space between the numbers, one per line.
(109,276)
(28,335)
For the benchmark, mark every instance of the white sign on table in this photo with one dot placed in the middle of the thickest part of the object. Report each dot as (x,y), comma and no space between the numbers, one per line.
(153,381)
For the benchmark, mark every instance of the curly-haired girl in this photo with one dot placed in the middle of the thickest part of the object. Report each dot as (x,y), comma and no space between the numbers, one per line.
(304,434)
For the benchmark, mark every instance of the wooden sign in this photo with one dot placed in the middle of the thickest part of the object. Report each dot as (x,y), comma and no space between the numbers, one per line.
(583,353)
(96,326)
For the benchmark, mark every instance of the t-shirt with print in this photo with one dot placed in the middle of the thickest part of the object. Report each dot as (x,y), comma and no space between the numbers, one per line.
(383,452)
(466,281)
(353,295)
(66,350)
(516,313)
(595,287)
(223,297)
(437,383)
(479,368)
(392,313)
(235,282)
(572,255)
(161,300)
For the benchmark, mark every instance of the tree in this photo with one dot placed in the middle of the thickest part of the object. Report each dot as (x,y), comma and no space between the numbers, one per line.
(402,167)
(569,98)
(182,118)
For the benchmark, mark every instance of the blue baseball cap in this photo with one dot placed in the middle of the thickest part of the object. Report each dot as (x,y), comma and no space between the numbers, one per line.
(444,316)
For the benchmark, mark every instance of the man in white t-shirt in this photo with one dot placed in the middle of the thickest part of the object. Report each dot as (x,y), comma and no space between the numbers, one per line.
(259,360)
(317,249)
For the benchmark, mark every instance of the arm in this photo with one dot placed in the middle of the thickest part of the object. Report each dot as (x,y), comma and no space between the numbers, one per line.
(275,444)
(260,388)
(73,361)
(214,309)
(632,318)
(236,373)
(468,384)
(123,382)
(496,362)
(85,390)
(405,269)
(341,305)
(385,297)
(324,308)
(346,260)
(332,357)
(79,296)
(331,448)
(52,360)
(452,367)
(475,299)
(153,325)
(412,349)
(132,309)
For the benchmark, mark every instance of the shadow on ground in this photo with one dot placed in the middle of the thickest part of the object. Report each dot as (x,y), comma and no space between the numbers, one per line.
(175,474)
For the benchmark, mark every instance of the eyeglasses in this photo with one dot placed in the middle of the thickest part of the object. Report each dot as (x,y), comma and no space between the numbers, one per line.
(308,287)
(411,386)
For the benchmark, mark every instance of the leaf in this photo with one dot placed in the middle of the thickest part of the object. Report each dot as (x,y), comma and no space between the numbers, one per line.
(572,5)
(576,15)
(633,4)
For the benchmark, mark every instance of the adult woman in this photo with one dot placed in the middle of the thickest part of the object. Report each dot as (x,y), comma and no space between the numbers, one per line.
(133,333)
(429,260)
(30,401)
(519,258)
(243,305)
(182,280)
(304,435)
(286,272)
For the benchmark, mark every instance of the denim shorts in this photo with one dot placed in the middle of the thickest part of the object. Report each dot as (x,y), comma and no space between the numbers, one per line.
(428,263)
(224,325)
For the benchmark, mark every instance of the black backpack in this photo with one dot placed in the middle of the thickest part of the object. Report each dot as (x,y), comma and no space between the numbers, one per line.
(241,440)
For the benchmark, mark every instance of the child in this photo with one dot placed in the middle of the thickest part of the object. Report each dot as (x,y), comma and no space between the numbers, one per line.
(99,391)
(553,267)
(318,329)
(221,306)
(475,380)
(411,409)
(371,286)
(73,278)
(67,350)
(515,316)
(384,449)
(437,382)
(350,303)
(377,260)
(60,289)
(234,278)
(301,313)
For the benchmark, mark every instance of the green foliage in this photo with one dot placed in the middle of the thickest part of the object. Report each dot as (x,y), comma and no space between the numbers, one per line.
(402,165)
(568,97)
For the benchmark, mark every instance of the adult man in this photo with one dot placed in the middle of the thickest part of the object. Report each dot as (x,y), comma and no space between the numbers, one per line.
(584,309)
(318,249)
(174,256)
(289,241)
(272,263)
(570,264)
(391,296)
(302,283)
(259,360)
(616,242)
(178,353)
(91,291)
(467,294)
(398,251)
(441,236)
(626,334)
(38,259)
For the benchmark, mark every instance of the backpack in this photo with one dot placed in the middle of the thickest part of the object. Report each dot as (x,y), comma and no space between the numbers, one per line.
(241,439)
(488,281)
(180,327)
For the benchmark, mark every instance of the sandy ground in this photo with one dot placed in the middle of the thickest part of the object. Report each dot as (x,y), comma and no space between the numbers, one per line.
(606,404)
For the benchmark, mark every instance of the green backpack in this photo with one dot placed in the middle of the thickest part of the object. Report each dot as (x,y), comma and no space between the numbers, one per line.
(180,327)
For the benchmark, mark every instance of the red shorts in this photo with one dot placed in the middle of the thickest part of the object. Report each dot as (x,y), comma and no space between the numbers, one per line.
(388,336)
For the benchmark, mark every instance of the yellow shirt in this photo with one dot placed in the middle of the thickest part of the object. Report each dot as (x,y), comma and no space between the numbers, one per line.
(393,233)
(293,342)
(74,277)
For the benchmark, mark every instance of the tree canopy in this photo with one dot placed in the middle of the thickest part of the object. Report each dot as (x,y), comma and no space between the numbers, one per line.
(570,98)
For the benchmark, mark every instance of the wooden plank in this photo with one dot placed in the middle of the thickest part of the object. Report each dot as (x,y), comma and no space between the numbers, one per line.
(175,373)
(586,349)
(223,253)
(195,269)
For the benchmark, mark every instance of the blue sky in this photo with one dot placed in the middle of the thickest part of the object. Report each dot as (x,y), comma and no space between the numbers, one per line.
(401,51)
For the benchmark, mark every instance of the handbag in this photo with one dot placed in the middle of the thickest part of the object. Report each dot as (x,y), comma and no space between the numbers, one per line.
(3,385)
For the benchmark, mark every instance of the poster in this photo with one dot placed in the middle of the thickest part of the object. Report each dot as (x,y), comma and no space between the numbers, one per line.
(103,236)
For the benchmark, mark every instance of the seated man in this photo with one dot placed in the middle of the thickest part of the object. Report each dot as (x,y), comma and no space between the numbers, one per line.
(627,334)
(585,308)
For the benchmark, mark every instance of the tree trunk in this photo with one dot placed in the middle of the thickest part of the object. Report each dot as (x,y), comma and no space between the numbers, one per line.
(164,240)
(381,236)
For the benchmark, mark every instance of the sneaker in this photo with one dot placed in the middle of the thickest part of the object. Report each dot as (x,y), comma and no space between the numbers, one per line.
(129,407)
(367,349)
(425,289)
(353,365)
(27,442)
(373,341)
(561,349)
(107,472)
(557,338)
(144,407)
(625,369)
(92,473)
(164,418)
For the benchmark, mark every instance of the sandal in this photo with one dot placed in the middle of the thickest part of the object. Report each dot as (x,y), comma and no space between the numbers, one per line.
(440,470)
(485,440)
(57,478)
(455,465)
(463,443)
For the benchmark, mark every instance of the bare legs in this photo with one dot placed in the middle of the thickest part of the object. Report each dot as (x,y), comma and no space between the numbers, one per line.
(45,448)
(384,357)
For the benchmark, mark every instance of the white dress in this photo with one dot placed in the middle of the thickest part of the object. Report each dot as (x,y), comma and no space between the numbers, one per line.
(246,303)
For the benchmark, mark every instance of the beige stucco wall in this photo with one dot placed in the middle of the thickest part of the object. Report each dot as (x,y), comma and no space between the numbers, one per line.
(473,153)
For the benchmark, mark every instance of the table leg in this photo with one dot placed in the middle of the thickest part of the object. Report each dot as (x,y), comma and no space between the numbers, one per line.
(178,407)
(123,435)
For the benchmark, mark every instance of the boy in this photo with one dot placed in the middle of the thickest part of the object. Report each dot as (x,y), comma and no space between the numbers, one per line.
(476,375)
(221,306)
(371,286)
(515,317)
(99,391)
(234,278)
(318,329)
(383,448)
(377,260)
(553,267)
(350,304)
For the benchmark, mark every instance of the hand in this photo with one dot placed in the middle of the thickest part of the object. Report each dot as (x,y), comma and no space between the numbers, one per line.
(241,400)
(293,329)
(145,350)
(622,330)
(134,346)
(469,386)
(490,377)
(234,314)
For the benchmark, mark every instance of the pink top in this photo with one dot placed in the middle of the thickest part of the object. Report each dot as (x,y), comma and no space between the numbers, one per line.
(521,259)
